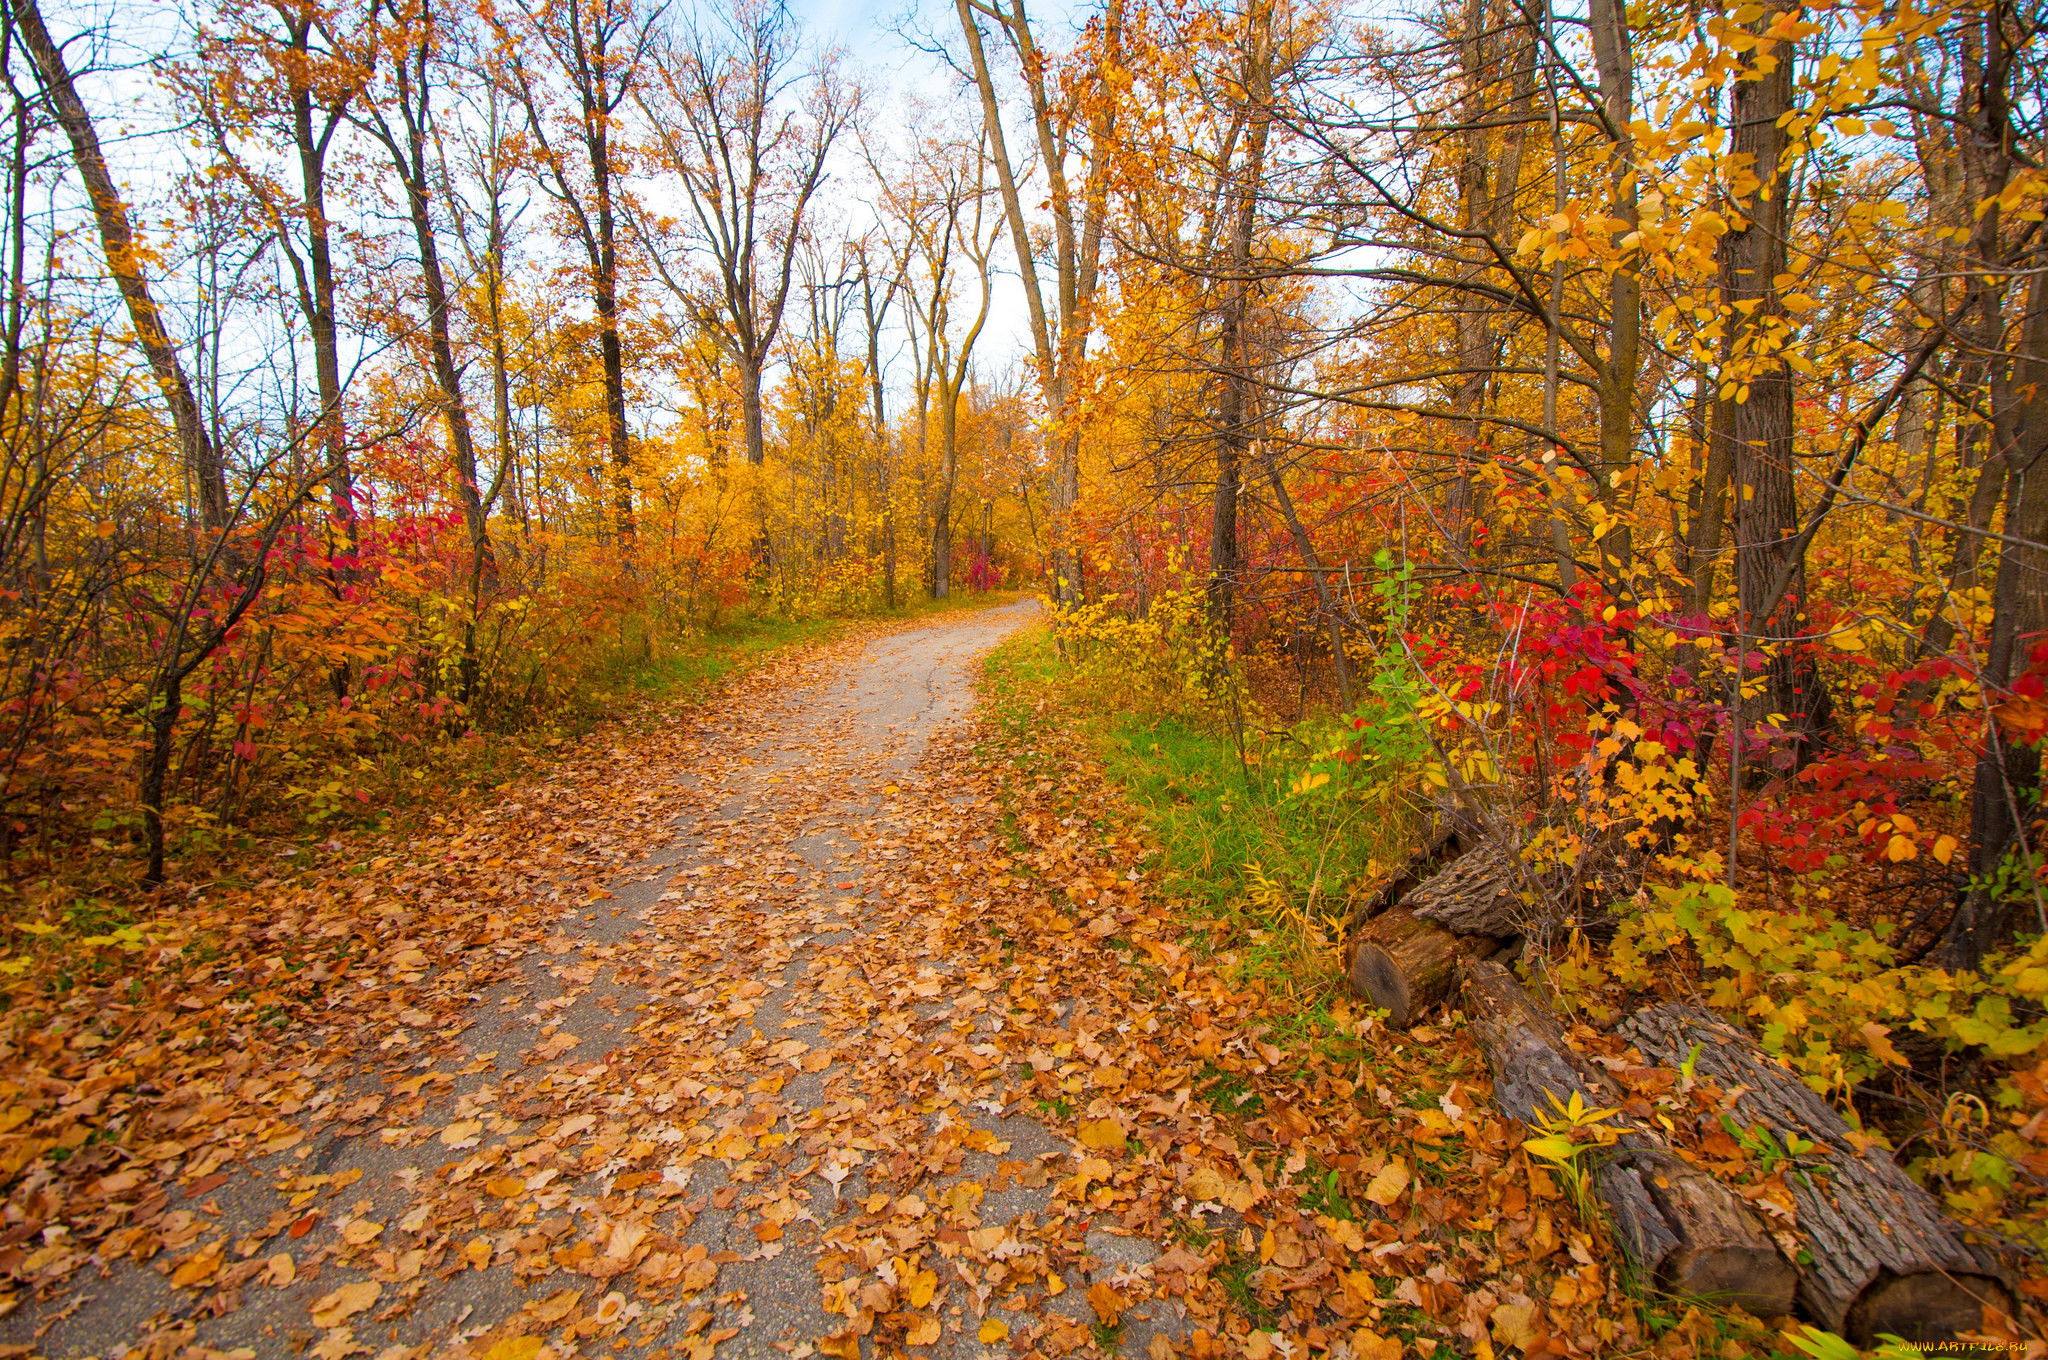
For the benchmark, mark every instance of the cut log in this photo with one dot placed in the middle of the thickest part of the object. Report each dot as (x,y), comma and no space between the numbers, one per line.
(1886,1259)
(1478,893)
(1405,965)
(1685,1233)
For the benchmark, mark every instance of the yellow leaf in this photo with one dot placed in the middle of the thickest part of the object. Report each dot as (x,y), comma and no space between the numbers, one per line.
(1945,848)
(280,1270)
(1102,1134)
(478,1253)
(923,1285)
(1387,1185)
(332,1309)
(1514,1324)
(463,1133)
(1877,1038)
(993,1330)
(1107,1303)
(515,1348)
(505,1187)
(1343,1232)
(556,1306)
(361,1232)
(1900,849)
(197,1269)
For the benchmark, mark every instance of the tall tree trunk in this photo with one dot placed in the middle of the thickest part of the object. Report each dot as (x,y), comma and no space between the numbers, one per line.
(2006,787)
(117,241)
(611,352)
(942,505)
(1766,501)
(322,312)
(1060,337)
(1326,603)
(1233,435)
(1613,54)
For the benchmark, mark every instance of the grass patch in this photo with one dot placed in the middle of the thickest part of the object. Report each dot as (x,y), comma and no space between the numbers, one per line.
(1272,871)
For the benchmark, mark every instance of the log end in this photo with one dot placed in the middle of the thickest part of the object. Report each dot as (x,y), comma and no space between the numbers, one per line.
(1926,1305)
(1377,978)
(1754,1278)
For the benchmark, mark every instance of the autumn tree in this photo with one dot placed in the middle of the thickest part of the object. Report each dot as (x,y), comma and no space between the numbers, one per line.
(1070,127)
(747,124)
(572,65)
(289,74)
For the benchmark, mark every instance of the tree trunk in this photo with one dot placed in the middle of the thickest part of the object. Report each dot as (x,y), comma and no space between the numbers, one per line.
(1445,843)
(124,263)
(1326,604)
(1766,501)
(322,314)
(1886,1259)
(1685,1233)
(2006,786)
(1613,54)
(949,475)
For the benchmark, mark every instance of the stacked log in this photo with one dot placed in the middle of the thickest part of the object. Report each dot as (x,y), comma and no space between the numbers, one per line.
(1406,965)
(1684,1232)
(1406,959)
(1885,1257)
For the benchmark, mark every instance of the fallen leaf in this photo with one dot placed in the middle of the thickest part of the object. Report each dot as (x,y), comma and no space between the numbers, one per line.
(993,1330)
(506,1187)
(344,1303)
(1514,1324)
(556,1306)
(1102,1134)
(199,1268)
(279,1270)
(1386,1185)
(1107,1303)
(463,1133)
(516,1348)
(1343,1232)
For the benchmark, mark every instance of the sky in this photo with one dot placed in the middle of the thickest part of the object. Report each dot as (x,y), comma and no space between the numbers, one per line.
(134,111)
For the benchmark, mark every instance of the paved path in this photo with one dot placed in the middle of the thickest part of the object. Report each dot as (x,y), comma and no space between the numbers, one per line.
(675,1125)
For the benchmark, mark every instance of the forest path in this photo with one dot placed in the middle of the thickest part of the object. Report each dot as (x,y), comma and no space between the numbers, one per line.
(655,1131)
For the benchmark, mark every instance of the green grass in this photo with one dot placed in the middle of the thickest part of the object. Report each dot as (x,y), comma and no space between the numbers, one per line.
(1271,870)
(686,669)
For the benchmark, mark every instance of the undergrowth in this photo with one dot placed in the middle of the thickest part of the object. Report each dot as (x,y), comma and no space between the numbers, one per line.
(1266,854)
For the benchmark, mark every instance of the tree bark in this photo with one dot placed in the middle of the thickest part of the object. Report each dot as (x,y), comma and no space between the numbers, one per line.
(2007,782)
(1684,1232)
(1766,501)
(1614,56)
(1886,1259)
(1059,337)
(1478,893)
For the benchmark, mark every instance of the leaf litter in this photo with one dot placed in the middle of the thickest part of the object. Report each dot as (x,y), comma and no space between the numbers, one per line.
(907,1025)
